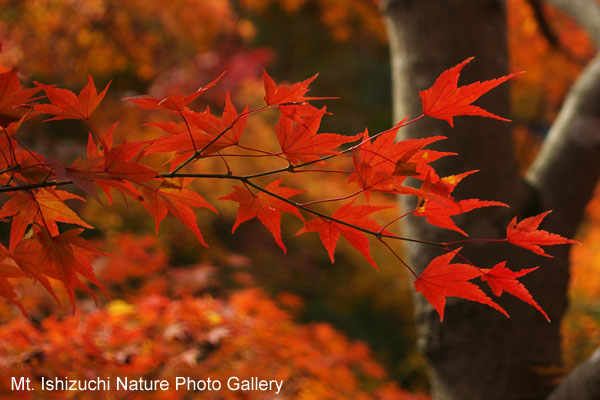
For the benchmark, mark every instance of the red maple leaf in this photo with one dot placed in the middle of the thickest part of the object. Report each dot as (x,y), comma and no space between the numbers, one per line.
(441,279)
(438,205)
(525,234)
(444,186)
(63,257)
(438,212)
(113,168)
(88,174)
(82,173)
(445,100)
(264,207)
(21,165)
(10,269)
(229,127)
(297,112)
(288,94)
(44,207)
(301,143)
(66,105)
(330,231)
(199,130)
(13,97)
(500,278)
(122,162)
(383,164)
(176,103)
(106,141)
(6,288)
(107,167)
(172,196)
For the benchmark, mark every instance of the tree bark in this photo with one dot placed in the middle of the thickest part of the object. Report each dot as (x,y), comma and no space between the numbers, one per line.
(477,353)
(583,383)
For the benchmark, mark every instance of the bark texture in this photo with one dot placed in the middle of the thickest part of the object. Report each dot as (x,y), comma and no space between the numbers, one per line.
(583,383)
(477,353)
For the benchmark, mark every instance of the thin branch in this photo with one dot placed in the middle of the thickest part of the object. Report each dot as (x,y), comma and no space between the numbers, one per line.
(31,154)
(332,219)
(187,125)
(238,118)
(229,172)
(246,180)
(95,133)
(198,153)
(465,259)
(30,186)
(10,168)
(383,228)
(474,240)
(293,168)
(265,153)
(334,199)
(326,171)
(11,150)
(412,271)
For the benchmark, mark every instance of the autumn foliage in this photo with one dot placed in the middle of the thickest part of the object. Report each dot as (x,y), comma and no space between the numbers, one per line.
(197,338)
(42,250)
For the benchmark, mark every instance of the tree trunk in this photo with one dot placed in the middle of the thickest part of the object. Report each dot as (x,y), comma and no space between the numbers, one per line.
(477,353)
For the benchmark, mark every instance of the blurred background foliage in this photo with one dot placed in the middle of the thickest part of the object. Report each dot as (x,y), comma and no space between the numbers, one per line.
(161,48)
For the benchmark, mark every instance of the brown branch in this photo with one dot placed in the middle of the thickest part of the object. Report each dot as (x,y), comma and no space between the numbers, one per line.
(30,186)
(245,180)
(198,153)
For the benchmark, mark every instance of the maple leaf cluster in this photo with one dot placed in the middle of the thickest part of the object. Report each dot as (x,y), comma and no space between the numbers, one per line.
(40,249)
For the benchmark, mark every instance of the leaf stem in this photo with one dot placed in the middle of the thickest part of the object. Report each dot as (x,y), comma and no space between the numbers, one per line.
(187,125)
(398,219)
(198,153)
(412,271)
(334,199)
(446,244)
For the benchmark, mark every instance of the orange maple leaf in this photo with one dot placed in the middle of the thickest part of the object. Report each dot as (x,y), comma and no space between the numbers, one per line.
(445,100)
(66,105)
(176,103)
